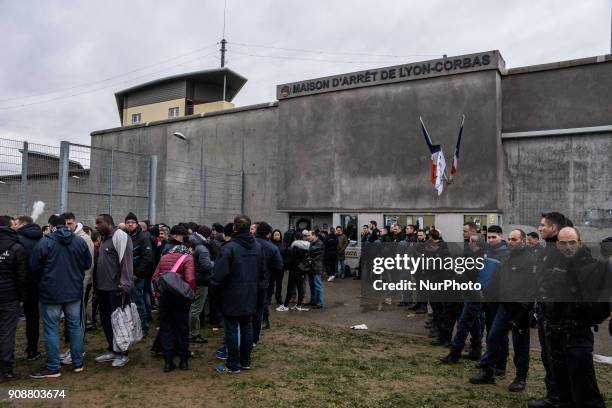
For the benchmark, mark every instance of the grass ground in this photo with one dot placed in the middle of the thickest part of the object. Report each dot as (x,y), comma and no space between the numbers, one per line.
(294,366)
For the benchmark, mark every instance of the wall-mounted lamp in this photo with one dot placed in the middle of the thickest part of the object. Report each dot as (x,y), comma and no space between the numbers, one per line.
(181,136)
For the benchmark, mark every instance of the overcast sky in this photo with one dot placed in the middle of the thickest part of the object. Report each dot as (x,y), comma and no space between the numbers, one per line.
(62,61)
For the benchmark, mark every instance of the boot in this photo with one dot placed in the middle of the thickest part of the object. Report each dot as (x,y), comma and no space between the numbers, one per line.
(184,365)
(169,366)
(517,385)
(451,358)
(440,341)
(483,377)
(548,401)
(475,354)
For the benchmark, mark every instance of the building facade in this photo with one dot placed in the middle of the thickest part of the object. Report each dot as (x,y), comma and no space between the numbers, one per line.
(347,149)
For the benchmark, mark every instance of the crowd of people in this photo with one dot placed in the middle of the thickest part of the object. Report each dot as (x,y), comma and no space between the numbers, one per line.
(81,275)
(556,286)
(66,271)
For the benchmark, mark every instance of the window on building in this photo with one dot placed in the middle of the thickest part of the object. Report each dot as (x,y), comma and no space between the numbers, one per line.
(136,117)
(349,225)
(420,220)
(173,112)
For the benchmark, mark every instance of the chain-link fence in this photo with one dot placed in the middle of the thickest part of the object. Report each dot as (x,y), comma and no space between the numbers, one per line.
(82,179)
(202,193)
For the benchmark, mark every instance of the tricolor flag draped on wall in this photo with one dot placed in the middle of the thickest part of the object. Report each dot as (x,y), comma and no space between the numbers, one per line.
(438,164)
(455,165)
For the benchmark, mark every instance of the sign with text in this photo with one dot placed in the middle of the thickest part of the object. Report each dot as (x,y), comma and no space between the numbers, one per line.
(490,60)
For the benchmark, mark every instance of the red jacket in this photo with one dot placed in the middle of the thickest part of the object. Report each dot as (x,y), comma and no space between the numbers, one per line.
(186,270)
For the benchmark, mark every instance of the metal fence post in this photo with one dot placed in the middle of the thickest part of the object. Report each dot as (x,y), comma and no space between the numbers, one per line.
(153,189)
(110,183)
(64,161)
(24,178)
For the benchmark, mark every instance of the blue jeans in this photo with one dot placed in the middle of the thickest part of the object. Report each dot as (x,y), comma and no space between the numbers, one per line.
(470,322)
(316,289)
(138,296)
(340,273)
(51,320)
(496,355)
(238,334)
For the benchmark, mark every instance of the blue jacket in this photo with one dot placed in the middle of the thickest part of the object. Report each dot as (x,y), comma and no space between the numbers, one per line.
(59,262)
(273,261)
(237,274)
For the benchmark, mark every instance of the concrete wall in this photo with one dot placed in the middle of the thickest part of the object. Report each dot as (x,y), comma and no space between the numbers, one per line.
(567,97)
(363,149)
(244,139)
(570,174)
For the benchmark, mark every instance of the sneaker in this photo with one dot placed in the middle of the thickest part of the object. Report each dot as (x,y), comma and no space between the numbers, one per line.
(317,307)
(64,355)
(294,307)
(32,355)
(8,376)
(302,309)
(222,355)
(120,361)
(44,373)
(222,369)
(198,340)
(282,308)
(67,360)
(78,369)
(331,278)
(106,357)
(245,367)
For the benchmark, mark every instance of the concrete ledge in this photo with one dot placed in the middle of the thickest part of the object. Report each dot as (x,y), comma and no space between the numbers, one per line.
(557,132)
(190,117)
(559,65)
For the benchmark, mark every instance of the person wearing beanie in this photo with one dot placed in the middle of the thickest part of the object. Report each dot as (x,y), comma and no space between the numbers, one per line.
(273,262)
(143,259)
(178,235)
(131,216)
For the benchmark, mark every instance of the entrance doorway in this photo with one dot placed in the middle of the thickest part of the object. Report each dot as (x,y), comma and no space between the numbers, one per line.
(310,221)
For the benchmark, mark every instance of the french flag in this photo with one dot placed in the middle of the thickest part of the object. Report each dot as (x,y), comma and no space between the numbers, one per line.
(438,164)
(455,165)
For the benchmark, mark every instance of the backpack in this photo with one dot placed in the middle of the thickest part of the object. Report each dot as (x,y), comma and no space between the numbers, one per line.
(172,284)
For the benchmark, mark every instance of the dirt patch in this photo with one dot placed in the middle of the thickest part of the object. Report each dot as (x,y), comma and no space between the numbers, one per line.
(295,365)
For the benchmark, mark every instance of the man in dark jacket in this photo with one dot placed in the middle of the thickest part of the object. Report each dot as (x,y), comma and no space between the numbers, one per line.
(59,262)
(570,283)
(203,272)
(315,254)
(237,275)
(13,266)
(330,255)
(511,287)
(274,267)
(142,256)
(29,235)
(114,280)
(549,227)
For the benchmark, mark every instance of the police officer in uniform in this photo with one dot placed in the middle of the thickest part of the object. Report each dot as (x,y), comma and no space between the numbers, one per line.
(571,282)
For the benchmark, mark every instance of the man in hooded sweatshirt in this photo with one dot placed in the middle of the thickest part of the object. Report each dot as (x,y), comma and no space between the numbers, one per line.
(29,235)
(238,271)
(59,261)
(77,228)
(12,279)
